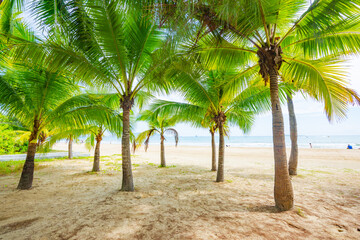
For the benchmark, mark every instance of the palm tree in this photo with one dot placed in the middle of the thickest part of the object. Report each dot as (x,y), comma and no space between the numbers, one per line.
(93,128)
(196,117)
(208,123)
(273,38)
(7,10)
(96,136)
(197,120)
(339,96)
(106,44)
(41,100)
(293,159)
(212,130)
(158,124)
(58,134)
(208,93)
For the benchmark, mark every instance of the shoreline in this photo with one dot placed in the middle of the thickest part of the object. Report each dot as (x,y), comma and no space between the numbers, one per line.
(304,141)
(116,147)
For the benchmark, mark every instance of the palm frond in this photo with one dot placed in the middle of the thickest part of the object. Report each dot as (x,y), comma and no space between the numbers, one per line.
(323,79)
(144,138)
(185,112)
(175,133)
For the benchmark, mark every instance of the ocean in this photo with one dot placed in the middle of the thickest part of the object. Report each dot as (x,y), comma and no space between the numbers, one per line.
(329,142)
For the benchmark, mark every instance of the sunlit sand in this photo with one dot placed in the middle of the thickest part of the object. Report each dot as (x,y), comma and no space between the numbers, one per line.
(183,201)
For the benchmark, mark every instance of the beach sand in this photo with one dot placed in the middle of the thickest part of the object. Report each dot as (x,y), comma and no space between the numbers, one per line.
(183,201)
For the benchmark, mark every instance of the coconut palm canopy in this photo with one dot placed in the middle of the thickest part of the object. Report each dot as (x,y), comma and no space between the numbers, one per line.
(279,40)
(93,128)
(157,124)
(107,44)
(210,96)
(47,98)
(103,44)
(160,124)
(307,59)
(41,101)
(92,124)
(208,93)
(233,54)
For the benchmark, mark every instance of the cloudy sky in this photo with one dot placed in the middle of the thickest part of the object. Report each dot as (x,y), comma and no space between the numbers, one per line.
(310,115)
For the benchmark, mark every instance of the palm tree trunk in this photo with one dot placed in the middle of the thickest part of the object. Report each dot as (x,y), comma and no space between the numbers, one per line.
(213,148)
(96,165)
(283,191)
(127,180)
(293,161)
(162,146)
(27,174)
(220,171)
(70,153)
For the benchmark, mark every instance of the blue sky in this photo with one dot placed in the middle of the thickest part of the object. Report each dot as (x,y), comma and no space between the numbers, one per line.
(310,115)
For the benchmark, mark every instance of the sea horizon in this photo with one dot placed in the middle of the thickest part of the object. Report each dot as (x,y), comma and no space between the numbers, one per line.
(317,141)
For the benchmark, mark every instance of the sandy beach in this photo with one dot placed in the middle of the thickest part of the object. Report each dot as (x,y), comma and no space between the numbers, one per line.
(183,201)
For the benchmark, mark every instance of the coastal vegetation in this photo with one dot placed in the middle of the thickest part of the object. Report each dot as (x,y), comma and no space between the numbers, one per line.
(41,100)
(158,125)
(10,140)
(93,129)
(280,41)
(210,97)
(105,45)
(230,60)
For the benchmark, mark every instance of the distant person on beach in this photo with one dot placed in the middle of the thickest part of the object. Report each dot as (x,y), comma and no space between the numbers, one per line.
(349,146)
(310,145)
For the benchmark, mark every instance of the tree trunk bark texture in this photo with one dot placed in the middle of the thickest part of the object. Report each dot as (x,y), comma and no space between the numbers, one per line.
(162,146)
(27,174)
(283,191)
(220,171)
(127,180)
(213,154)
(70,153)
(96,165)
(293,161)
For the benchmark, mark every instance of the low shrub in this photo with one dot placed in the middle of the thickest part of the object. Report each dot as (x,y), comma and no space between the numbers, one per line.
(9,141)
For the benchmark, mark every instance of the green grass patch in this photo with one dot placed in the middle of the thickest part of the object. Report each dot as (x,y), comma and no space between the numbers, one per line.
(116,168)
(9,167)
(152,164)
(171,166)
(314,172)
(113,166)
(349,170)
(88,158)
(300,212)
(92,172)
